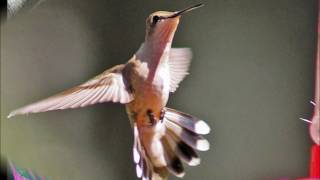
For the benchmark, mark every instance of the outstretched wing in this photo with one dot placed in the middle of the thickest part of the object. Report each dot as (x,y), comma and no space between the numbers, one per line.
(179,61)
(108,86)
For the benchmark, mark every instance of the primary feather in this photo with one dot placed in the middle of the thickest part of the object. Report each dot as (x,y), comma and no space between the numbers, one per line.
(179,62)
(108,86)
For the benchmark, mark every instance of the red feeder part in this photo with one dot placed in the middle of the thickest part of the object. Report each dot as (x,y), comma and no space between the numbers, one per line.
(315,162)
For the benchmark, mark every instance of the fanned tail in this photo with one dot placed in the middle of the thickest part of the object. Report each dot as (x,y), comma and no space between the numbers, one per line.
(160,149)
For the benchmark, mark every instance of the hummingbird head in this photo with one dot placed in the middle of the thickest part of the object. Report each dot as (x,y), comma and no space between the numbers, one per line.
(161,25)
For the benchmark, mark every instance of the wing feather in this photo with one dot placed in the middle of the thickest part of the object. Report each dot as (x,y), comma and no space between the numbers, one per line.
(179,61)
(108,86)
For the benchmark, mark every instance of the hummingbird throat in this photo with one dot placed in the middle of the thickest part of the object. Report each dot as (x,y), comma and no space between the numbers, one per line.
(154,54)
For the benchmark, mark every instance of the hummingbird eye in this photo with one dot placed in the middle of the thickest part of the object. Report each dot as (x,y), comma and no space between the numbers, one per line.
(155,19)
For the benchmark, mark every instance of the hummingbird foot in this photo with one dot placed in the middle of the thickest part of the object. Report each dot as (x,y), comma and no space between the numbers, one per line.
(151,117)
(162,113)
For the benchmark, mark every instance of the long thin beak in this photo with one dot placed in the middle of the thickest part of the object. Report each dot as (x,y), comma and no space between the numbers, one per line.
(183,11)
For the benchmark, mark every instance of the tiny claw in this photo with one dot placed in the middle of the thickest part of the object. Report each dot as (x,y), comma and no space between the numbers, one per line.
(162,113)
(151,117)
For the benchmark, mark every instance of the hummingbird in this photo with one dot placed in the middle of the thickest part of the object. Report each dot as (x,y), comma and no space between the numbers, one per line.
(164,138)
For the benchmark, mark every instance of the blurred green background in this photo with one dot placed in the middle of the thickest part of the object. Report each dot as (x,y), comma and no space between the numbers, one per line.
(251,79)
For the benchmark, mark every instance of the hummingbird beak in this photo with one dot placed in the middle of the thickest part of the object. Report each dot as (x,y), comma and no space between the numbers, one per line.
(183,11)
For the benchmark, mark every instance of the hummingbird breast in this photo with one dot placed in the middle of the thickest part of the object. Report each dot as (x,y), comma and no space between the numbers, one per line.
(150,93)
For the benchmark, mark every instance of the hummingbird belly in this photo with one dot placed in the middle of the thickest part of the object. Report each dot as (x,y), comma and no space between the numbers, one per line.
(148,95)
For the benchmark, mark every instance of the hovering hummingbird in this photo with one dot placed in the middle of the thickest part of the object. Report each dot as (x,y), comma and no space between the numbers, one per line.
(163,137)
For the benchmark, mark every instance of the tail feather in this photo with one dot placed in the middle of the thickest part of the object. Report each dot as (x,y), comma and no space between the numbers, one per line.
(174,163)
(144,168)
(194,140)
(183,151)
(180,136)
(159,173)
(187,121)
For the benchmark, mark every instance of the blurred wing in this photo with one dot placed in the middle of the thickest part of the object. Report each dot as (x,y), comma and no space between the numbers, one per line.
(108,86)
(179,61)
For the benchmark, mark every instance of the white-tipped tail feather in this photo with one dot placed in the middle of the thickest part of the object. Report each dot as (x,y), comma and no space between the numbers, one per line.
(187,121)
(181,137)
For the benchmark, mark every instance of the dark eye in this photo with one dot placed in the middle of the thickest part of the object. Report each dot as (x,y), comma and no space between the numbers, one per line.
(155,19)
